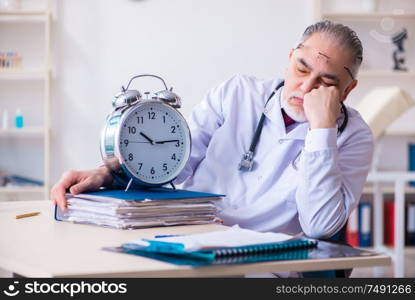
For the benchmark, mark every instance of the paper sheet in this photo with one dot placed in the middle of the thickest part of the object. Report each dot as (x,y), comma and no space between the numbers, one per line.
(232,237)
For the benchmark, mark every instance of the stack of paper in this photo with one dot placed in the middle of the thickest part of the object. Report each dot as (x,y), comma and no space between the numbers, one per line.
(140,208)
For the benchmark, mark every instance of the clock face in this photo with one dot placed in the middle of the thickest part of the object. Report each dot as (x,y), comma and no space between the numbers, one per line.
(154,142)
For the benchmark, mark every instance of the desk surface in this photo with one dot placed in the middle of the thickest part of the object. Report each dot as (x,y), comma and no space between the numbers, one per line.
(41,247)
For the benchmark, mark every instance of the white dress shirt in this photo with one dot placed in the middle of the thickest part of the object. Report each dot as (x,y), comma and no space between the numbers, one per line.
(315,195)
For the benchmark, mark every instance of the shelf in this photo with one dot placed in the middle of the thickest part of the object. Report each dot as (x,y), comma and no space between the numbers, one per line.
(22,12)
(391,176)
(388,189)
(23,75)
(28,189)
(368,15)
(21,15)
(20,21)
(27,131)
(391,250)
(386,73)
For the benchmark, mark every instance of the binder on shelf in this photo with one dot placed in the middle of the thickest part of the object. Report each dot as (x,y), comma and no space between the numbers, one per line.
(352,229)
(230,246)
(140,208)
(411,163)
(389,223)
(410,224)
(365,224)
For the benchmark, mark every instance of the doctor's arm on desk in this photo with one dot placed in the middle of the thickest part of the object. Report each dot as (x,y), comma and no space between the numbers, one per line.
(78,182)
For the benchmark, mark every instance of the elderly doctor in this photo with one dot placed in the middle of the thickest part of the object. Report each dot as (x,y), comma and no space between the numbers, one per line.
(308,169)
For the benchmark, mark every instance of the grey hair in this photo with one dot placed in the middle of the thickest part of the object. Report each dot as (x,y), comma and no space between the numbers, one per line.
(343,35)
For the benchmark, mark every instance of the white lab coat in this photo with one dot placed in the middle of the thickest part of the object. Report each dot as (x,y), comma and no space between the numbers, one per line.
(316,199)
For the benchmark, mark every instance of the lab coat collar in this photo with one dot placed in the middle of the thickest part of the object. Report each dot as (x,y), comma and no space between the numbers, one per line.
(273,112)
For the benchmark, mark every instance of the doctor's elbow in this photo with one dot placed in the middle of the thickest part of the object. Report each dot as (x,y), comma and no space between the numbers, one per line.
(320,230)
(316,233)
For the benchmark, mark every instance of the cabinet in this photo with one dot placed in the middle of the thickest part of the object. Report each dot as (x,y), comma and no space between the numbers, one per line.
(26,151)
(375,22)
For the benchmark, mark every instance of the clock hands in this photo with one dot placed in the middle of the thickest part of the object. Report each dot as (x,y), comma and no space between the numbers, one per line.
(152,142)
(168,141)
(147,138)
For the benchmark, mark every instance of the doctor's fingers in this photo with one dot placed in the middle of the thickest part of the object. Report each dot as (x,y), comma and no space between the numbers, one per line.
(58,197)
(326,92)
(89,184)
(59,189)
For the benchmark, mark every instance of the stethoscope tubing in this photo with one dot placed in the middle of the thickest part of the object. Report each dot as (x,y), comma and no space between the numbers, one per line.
(248,157)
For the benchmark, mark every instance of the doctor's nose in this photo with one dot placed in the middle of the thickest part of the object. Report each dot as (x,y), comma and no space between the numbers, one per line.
(309,84)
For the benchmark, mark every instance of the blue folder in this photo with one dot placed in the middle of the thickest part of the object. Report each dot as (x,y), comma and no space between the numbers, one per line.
(411,163)
(160,193)
(174,253)
(294,254)
(365,237)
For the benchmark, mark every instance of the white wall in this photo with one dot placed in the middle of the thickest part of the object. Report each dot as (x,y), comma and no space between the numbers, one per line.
(99,44)
(194,45)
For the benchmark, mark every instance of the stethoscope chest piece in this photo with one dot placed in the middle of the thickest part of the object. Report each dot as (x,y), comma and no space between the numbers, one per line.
(247,161)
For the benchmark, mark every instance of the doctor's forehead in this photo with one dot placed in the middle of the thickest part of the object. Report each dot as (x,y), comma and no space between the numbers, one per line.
(323,47)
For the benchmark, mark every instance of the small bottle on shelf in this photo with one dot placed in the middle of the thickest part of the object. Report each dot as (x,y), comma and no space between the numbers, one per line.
(19,119)
(5,120)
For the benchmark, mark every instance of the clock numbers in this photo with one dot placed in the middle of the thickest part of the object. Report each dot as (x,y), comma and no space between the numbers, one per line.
(132,130)
(152,144)
(151,115)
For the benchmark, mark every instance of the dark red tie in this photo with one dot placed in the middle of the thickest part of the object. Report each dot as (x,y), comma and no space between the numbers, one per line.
(287,120)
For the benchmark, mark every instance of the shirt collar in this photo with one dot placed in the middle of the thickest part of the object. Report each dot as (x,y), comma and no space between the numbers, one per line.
(273,112)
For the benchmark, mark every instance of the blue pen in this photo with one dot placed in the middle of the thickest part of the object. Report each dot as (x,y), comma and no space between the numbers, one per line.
(166,235)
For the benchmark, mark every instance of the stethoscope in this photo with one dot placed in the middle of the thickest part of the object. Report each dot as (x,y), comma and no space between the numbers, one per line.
(247,159)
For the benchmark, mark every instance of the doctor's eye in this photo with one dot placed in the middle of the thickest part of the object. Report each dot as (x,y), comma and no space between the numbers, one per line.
(302,71)
(328,84)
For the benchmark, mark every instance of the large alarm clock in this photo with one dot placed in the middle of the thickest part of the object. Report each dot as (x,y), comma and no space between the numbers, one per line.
(145,141)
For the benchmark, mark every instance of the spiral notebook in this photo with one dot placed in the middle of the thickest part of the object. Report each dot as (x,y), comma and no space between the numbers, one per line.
(232,246)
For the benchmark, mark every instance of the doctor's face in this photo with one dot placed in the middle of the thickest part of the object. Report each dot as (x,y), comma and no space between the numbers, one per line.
(318,61)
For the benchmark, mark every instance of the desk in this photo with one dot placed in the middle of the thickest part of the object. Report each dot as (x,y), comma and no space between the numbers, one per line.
(41,247)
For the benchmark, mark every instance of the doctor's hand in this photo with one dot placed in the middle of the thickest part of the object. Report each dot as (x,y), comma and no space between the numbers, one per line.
(78,182)
(322,107)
